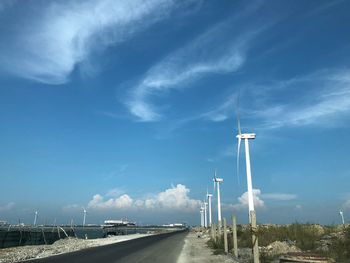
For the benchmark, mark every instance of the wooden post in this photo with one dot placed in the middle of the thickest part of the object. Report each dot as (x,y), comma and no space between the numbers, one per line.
(219,228)
(254,237)
(218,234)
(214,232)
(225,237)
(234,236)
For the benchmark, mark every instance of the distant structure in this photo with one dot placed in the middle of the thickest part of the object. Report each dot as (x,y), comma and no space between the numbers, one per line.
(202,216)
(217,182)
(209,196)
(342,217)
(205,214)
(35,217)
(84,219)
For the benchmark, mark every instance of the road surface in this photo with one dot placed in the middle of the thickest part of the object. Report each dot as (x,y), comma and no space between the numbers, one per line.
(158,248)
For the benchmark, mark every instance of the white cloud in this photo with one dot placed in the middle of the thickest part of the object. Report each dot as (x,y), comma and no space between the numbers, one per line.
(188,64)
(115,192)
(259,199)
(63,34)
(174,198)
(7,206)
(243,200)
(346,205)
(98,202)
(72,207)
(298,207)
(279,196)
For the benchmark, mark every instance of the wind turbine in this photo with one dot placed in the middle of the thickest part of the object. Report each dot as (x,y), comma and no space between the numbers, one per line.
(35,217)
(84,220)
(342,217)
(217,181)
(202,216)
(246,137)
(205,214)
(209,196)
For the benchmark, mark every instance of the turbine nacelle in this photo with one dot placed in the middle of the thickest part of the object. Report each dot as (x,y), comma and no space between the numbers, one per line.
(246,136)
(218,180)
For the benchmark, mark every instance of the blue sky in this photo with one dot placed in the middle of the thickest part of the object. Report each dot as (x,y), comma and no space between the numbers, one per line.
(126,108)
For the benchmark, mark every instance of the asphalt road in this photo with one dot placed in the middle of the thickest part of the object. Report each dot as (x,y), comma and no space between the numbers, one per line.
(157,248)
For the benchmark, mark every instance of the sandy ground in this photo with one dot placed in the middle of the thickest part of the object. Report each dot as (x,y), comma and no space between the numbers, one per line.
(196,250)
(15,254)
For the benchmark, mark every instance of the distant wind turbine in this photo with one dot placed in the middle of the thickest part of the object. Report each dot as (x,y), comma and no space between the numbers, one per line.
(342,217)
(35,217)
(217,181)
(209,196)
(202,215)
(205,214)
(246,137)
(84,220)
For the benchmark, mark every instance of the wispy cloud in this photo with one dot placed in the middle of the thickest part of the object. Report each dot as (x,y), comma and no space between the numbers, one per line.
(223,111)
(322,98)
(7,206)
(213,52)
(174,198)
(279,196)
(49,46)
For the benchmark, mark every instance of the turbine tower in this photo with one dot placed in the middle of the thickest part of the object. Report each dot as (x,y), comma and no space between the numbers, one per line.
(246,137)
(35,217)
(84,220)
(209,196)
(205,214)
(342,217)
(217,181)
(202,216)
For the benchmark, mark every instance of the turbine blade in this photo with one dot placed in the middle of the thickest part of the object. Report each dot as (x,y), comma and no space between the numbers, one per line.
(238,154)
(237,115)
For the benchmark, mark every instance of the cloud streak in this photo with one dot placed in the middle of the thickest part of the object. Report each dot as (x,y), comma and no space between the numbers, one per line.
(320,98)
(63,34)
(188,64)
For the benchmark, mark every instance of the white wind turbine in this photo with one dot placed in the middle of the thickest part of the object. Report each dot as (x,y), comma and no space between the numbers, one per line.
(342,217)
(35,217)
(202,216)
(209,196)
(246,137)
(217,181)
(205,214)
(84,219)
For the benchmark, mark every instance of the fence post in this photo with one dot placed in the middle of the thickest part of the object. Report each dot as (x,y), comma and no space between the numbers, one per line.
(254,237)
(214,232)
(225,237)
(234,236)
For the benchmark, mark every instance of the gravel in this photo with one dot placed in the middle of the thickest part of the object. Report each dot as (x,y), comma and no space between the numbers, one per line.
(15,254)
(196,250)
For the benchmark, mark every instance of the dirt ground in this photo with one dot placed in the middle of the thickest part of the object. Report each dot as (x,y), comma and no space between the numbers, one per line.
(196,250)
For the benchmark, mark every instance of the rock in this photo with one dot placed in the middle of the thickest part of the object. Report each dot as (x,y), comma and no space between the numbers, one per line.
(278,248)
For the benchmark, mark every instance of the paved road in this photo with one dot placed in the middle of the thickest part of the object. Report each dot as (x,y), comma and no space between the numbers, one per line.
(158,248)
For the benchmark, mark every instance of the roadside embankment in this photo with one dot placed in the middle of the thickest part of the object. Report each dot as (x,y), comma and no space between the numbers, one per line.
(15,254)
